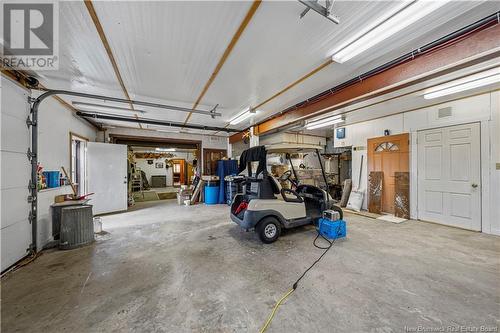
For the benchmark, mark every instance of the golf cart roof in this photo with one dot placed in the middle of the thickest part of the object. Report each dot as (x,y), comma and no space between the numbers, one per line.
(292,148)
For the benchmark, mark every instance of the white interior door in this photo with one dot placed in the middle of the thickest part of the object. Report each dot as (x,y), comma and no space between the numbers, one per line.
(107,176)
(449,174)
(15,173)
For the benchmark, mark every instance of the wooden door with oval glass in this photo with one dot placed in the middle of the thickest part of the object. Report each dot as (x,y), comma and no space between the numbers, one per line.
(389,154)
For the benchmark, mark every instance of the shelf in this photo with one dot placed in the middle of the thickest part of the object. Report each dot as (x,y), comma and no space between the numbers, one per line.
(53,188)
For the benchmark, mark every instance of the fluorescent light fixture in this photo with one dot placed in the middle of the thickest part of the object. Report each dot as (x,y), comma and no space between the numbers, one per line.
(403,15)
(99,107)
(466,83)
(165,149)
(242,116)
(167,130)
(325,122)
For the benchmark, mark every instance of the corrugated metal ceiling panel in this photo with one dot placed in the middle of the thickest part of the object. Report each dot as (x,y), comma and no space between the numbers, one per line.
(166,51)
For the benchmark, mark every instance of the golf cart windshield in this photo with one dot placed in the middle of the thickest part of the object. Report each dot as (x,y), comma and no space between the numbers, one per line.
(292,148)
(295,148)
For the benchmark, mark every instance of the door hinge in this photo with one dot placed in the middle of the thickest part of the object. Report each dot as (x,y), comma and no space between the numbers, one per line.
(30,154)
(31,186)
(31,217)
(29,122)
(31,198)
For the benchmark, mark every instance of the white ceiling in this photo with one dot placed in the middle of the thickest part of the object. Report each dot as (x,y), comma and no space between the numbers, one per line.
(166,51)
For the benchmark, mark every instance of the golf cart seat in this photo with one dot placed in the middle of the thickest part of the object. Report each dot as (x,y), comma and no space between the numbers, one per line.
(270,188)
(314,199)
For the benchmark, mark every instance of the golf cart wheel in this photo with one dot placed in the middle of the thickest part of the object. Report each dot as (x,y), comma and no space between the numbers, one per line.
(269,230)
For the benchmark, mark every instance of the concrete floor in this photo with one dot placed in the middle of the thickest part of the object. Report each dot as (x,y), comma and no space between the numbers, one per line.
(169,268)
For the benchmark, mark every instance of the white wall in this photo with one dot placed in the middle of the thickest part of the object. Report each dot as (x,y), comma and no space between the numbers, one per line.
(151,170)
(482,108)
(207,141)
(356,136)
(55,122)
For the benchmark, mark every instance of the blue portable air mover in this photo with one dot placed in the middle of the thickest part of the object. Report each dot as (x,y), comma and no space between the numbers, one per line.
(331,226)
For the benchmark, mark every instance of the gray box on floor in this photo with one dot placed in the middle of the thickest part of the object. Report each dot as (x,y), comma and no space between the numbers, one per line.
(77,227)
(158,181)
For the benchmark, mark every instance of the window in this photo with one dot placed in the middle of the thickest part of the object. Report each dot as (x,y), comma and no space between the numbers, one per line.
(387,146)
(78,167)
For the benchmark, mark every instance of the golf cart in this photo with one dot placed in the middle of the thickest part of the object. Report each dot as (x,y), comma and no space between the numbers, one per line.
(266,206)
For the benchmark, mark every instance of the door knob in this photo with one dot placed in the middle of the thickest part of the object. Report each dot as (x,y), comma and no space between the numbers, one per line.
(474,185)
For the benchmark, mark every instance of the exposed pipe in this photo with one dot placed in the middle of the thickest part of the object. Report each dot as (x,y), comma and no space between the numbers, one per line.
(211,113)
(441,42)
(94,115)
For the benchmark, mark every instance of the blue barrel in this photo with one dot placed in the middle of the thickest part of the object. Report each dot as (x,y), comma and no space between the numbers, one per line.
(211,194)
(52,178)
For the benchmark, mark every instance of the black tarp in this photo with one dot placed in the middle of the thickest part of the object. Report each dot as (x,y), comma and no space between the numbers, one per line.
(254,154)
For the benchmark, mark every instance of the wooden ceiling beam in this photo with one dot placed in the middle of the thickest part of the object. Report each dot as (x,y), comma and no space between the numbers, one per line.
(293,84)
(227,52)
(107,47)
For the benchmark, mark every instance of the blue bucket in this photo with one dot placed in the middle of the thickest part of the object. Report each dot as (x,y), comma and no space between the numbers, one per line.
(52,178)
(211,195)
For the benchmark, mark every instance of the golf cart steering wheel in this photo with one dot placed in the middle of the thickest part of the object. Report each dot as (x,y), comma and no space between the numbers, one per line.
(287,175)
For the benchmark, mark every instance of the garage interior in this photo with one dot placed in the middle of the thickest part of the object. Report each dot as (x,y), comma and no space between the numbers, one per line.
(181,166)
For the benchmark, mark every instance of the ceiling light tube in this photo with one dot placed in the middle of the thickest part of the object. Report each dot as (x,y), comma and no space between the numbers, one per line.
(242,116)
(477,80)
(99,107)
(165,149)
(332,122)
(167,131)
(405,14)
(325,122)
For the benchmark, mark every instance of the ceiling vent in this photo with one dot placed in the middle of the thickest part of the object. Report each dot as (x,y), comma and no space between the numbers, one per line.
(444,112)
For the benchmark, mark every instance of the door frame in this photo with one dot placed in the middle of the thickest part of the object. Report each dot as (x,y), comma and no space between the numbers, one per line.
(370,159)
(210,150)
(483,169)
(82,187)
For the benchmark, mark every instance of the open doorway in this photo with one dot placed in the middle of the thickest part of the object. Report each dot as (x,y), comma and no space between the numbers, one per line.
(158,167)
(78,162)
(156,173)
(210,158)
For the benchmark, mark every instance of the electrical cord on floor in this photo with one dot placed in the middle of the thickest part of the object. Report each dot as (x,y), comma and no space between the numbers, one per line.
(295,285)
(30,258)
